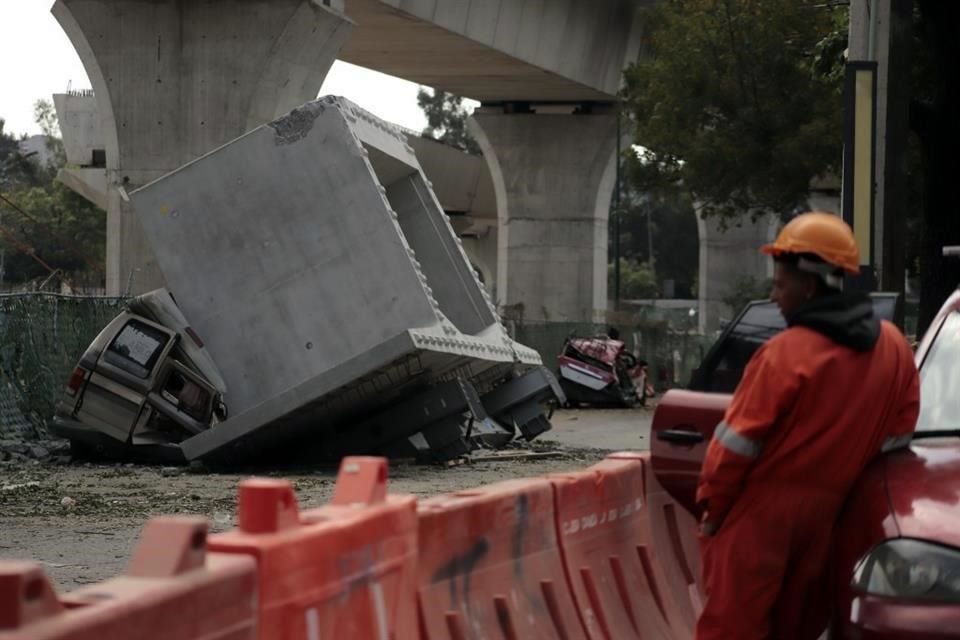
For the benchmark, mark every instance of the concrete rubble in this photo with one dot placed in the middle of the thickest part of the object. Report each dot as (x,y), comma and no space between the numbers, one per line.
(313,260)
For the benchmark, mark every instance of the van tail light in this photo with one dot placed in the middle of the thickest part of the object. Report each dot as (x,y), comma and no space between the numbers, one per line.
(76,380)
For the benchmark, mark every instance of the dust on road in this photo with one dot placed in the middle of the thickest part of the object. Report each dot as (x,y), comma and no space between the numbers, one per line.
(81,521)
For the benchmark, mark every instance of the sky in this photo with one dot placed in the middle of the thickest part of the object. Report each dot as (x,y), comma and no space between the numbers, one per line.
(37,60)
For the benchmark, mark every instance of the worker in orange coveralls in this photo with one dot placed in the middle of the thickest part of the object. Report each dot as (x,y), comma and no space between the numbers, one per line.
(816,403)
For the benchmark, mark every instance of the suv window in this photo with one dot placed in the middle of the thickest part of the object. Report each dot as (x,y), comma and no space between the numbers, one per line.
(137,348)
(723,366)
(940,379)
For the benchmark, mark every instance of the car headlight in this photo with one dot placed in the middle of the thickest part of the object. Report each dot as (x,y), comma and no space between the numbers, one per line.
(910,569)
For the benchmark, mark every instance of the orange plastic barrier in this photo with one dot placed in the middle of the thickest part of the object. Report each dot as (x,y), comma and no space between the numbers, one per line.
(606,543)
(344,570)
(671,535)
(173,588)
(490,566)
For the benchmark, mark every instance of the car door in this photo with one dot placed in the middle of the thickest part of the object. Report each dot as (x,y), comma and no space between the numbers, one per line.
(685,420)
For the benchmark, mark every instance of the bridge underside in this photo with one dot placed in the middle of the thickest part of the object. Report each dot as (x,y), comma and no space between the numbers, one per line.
(436,52)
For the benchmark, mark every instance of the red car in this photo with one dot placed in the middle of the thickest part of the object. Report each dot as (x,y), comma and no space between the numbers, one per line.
(896,562)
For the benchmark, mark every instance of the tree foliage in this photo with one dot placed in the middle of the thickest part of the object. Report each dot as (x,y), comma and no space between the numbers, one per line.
(740,102)
(447,119)
(44,219)
(637,280)
(65,230)
(735,100)
(16,169)
(46,117)
(658,227)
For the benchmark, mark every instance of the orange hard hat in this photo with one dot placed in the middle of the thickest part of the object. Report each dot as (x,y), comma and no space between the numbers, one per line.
(824,235)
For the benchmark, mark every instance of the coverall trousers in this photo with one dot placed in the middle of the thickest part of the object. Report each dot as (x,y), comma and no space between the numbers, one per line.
(765,570)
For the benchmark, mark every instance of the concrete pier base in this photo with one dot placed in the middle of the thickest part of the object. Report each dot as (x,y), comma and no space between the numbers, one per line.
(553,176)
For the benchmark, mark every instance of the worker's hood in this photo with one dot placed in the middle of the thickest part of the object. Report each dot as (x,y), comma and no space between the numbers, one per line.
(845,318)
(923,484)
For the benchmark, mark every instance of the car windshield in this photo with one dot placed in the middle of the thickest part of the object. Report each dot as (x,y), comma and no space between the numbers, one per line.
(940,379)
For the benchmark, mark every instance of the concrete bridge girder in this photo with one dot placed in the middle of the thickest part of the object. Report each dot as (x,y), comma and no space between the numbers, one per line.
(464,188)
(174,80)
(493,50)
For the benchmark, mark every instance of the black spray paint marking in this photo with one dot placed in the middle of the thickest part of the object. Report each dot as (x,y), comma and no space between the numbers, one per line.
(522,518)
(462,565)
(521,528)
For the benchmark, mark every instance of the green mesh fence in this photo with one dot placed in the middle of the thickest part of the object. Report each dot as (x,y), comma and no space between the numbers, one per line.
(42,336)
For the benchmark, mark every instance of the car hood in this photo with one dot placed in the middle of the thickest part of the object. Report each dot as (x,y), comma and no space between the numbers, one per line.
(923,484)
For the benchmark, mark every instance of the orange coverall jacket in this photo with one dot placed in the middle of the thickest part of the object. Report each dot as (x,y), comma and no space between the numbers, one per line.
(810,413)
(807,417)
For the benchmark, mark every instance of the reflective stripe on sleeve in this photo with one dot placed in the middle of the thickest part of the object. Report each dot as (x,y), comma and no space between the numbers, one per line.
(736,443)
(896,442)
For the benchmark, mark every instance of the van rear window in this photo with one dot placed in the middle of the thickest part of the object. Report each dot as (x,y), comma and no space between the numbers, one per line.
(137,348)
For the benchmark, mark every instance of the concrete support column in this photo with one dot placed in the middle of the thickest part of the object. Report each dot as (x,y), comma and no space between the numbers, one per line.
(553,177)
(730,254)
(174,80)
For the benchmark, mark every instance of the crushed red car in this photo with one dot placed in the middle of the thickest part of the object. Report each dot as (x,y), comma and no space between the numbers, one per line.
(896,559)
(599,371)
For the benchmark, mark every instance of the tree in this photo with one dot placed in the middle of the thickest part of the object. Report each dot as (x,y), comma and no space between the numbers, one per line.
(740,101)
(447,119)
(16,170)
(658,227)
(46,117)
(43,220)
(64,230)
(728,102)
(636,280)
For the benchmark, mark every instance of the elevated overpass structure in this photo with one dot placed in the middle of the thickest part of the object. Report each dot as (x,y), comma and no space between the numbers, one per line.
(173,80)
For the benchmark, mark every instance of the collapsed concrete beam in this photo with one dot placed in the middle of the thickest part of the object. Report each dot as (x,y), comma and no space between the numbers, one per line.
(315,262)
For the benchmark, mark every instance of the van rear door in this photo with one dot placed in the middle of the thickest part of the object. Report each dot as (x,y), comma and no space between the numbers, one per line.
(115,395)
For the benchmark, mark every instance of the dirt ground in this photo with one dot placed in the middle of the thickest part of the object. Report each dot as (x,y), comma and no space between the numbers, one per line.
(81,520)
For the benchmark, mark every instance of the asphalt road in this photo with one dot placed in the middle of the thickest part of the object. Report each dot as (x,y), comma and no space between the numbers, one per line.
(608,429)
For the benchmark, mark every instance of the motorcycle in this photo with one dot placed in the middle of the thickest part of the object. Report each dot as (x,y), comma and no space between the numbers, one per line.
(599,371)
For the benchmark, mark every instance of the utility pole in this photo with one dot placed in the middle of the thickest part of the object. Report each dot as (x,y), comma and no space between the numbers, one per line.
(875,138)
(616,224)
